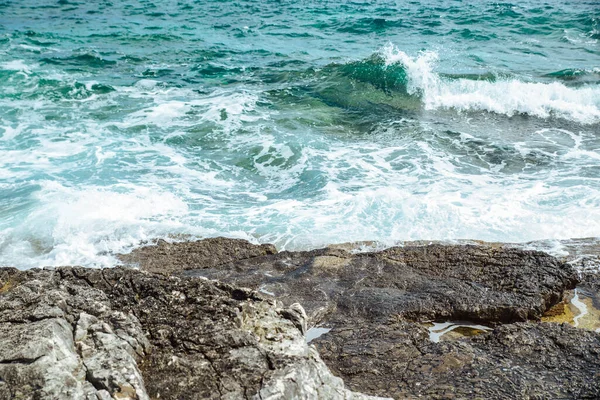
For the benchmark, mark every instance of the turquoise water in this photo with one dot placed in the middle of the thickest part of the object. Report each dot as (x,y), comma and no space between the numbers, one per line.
(300,123)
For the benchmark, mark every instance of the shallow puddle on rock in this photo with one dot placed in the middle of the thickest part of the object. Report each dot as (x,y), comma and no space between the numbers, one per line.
(455,330)
(577,309)
(263,289)
(315,332)
(581,306)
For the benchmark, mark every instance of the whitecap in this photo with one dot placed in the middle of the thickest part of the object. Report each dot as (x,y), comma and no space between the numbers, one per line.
(16,65)
(504,96)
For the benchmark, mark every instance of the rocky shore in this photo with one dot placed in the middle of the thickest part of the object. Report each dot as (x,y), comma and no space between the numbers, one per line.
(223,318)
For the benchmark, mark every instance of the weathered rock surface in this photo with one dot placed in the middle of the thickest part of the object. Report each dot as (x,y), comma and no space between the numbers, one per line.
(514,361)
(474,283)
(121,333)
(167,258)
(75,333)
(590,283)
(376,304)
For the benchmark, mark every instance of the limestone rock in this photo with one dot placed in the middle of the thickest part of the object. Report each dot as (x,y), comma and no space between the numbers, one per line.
(75,333)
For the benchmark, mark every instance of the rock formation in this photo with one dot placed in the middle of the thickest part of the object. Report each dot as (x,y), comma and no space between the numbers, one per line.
(376,305)
(223,318)
(75,333)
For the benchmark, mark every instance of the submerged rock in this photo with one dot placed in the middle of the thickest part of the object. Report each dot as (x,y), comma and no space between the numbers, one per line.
(375,305)
(75,333)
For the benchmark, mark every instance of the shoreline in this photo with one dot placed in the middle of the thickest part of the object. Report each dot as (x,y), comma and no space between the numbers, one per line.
(582,252)
(368,316)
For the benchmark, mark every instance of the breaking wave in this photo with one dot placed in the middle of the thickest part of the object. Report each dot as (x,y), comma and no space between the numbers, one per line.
(398,74)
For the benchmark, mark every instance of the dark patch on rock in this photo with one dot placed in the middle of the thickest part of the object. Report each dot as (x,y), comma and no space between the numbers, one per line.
(514,361)
(590,285)
(476,283)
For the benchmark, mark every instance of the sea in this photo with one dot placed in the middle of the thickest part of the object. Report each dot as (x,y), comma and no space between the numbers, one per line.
(294,122)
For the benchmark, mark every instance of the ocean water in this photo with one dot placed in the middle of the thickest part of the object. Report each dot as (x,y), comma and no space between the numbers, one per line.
(300,123)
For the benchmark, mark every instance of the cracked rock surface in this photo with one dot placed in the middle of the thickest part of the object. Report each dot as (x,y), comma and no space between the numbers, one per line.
(376,305)
(75,333)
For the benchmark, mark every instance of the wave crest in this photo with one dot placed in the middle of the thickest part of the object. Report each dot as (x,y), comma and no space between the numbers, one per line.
(502,96)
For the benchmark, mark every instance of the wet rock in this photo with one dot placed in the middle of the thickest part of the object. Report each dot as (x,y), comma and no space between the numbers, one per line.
(376,303)
(166,258)
(590,283)
(589,294)
(583,253)
(75,333)
(514,361)
(120,333)
(475,283)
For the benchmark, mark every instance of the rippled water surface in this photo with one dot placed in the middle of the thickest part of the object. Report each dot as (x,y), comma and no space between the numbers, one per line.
(299,123)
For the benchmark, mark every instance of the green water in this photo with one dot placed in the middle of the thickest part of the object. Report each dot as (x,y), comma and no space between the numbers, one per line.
(299,123)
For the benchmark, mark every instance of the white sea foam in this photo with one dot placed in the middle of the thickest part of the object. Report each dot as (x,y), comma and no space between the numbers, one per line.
(578,37)
(83,226)
(10,132)
(35,49)
(15,65)
(70,224)
(504,96)
(183,108)
(146,172)
(440,212)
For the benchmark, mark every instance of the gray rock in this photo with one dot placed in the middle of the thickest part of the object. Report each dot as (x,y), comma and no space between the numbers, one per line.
(75,333)
(39,359)
(121,333)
